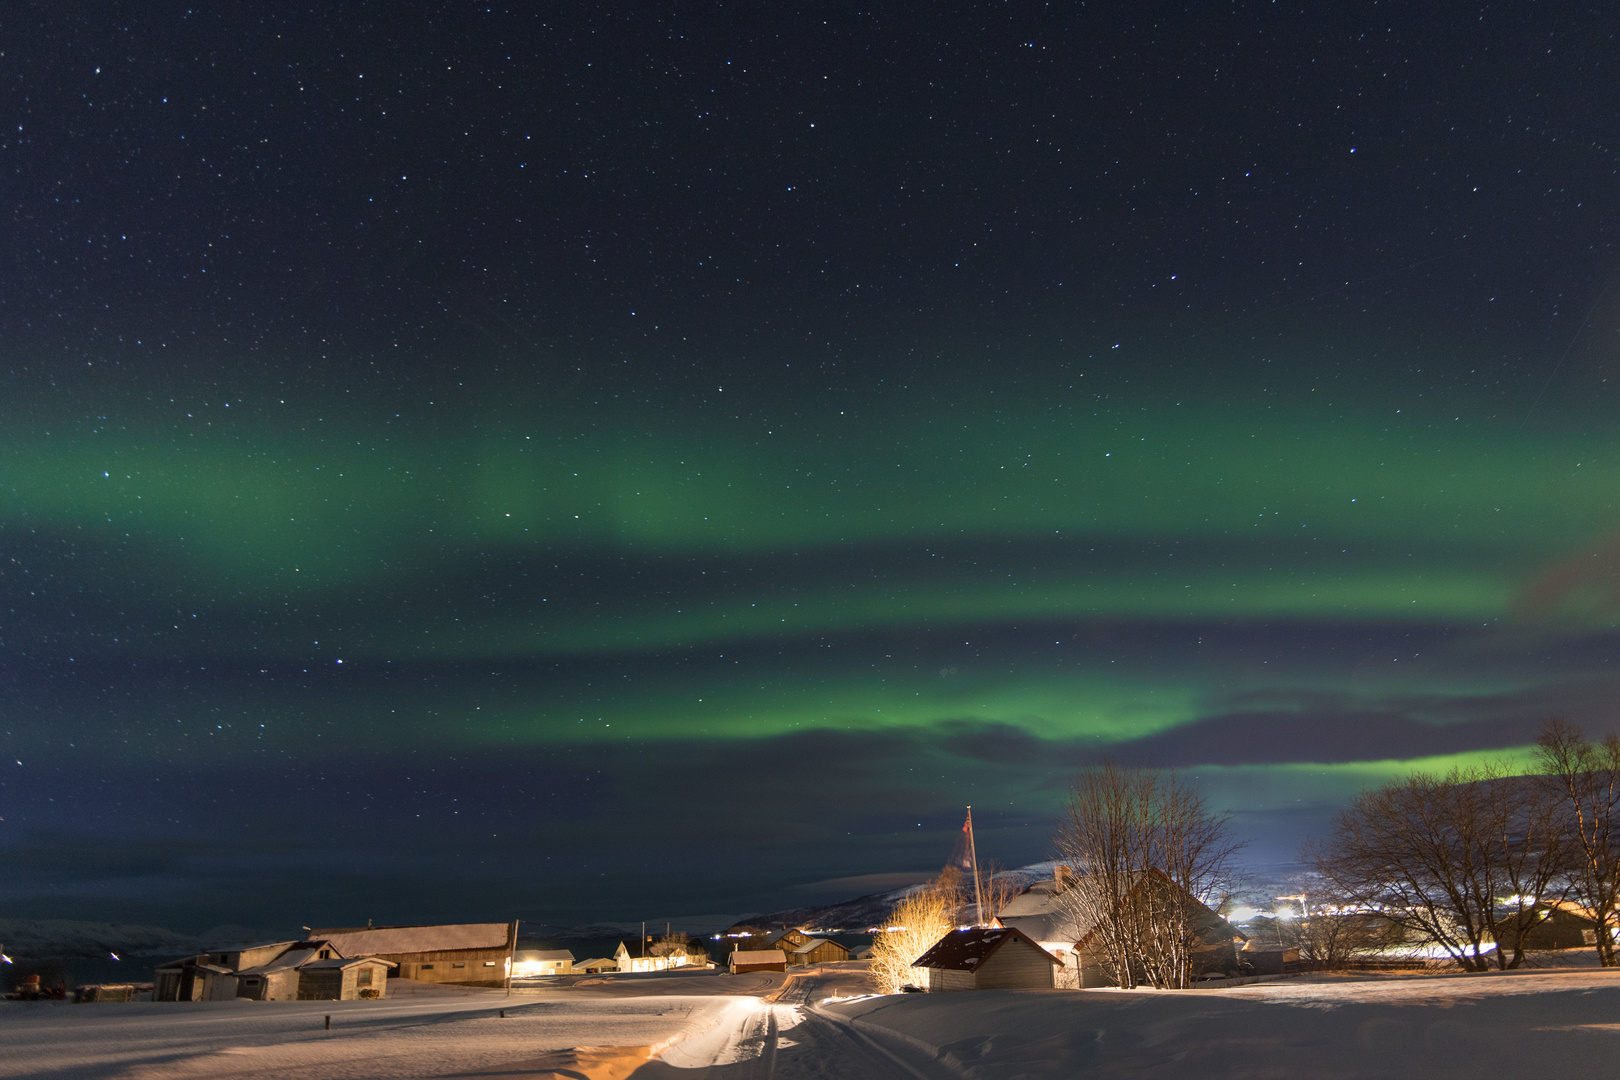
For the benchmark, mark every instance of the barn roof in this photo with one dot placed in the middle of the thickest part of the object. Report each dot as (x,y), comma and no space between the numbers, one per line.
(815,943)
(370,941)
(759,956)
(544,954)
(965,950)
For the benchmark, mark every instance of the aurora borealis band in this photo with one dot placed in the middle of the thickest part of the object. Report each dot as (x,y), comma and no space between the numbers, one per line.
(623,550)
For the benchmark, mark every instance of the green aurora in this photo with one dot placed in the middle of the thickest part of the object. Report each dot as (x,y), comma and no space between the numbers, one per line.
(522,535)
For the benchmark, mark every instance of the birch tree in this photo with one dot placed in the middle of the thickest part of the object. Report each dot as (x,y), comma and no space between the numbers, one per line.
(1145,847)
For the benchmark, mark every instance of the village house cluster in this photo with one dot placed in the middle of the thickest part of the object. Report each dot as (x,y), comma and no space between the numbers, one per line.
(345,963)
(785,949)
(342,963)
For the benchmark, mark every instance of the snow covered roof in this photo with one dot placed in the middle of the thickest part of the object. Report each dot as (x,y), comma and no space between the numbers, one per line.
(965,950)
(815,943)
(1040,913)
(532,955)
(759,956)
(338,963)
(371,941)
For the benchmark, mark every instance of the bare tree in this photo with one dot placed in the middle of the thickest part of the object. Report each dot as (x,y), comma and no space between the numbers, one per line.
(915,925)
(671,944)
(1148,853)
(1331,929)
(1585,778)
(1460,861)
(999,889)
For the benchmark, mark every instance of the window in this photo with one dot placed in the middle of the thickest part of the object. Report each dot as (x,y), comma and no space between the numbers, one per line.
(326,954)
(363,977)
(458,965)
(427,967)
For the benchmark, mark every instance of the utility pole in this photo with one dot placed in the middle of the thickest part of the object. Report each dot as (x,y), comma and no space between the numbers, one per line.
(511,955)
(973,854)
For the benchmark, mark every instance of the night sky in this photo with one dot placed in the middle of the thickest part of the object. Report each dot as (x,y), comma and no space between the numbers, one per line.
(580,462)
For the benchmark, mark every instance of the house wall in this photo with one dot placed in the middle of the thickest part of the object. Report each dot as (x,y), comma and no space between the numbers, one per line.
(218,987)
(828,952)
(941,980)
(1093,971)
(477,967)
(376,985)
(322,985)
(166,986)
(279,985)
(741,968)
(1066,977)
(1014,966)
(1561,930)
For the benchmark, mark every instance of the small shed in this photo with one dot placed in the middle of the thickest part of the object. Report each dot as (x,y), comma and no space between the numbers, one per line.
(188,980)
(818,951)
(985,958)
(758,960)
(338,979)
(596,965)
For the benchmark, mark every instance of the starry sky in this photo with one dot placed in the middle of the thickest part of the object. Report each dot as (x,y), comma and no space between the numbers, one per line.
(578,462)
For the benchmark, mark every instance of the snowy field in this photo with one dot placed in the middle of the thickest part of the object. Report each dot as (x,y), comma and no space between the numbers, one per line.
(1504,1026)
(1499,1026)
(429,1036)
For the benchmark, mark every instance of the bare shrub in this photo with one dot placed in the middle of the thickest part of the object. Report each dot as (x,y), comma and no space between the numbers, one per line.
(915,925)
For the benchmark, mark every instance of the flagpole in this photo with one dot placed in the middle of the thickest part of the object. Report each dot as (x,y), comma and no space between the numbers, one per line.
(973,854)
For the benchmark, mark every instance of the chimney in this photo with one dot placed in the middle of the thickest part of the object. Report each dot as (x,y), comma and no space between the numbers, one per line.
(1060,877)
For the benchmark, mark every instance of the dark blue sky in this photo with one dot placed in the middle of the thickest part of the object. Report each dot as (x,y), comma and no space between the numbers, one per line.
(475,463)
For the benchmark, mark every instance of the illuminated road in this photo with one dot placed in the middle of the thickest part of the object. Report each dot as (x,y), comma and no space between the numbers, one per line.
(788,1038)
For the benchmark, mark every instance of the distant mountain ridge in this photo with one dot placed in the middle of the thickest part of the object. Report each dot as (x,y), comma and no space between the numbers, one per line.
(73,938)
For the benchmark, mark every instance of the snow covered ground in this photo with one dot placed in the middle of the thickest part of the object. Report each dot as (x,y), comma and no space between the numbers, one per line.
(449,1035)
(1502,1026)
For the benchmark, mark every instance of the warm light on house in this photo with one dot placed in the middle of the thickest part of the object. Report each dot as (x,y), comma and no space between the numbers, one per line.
(540,964)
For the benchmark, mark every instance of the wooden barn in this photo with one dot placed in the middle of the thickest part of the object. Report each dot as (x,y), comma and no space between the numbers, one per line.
(786,940)
(744,960)
(817,951)
(469,954)
(337,979)
(1559,925)
(985,958)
